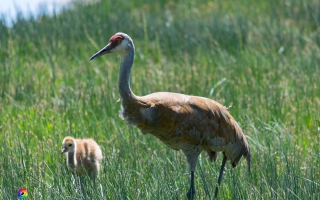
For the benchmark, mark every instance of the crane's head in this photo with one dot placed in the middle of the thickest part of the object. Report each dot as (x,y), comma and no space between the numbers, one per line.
(68,145)
(118,43)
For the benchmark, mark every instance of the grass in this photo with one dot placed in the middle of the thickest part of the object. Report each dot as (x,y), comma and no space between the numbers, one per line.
(260,57)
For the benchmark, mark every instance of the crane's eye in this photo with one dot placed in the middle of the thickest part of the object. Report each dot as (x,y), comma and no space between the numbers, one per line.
(70,145)
(116,42)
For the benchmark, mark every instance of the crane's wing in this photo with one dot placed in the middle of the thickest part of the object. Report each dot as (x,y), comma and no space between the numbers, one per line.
(177,119)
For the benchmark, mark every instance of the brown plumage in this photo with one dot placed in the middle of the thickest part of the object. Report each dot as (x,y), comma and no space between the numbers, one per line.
(182,122)
(83,156)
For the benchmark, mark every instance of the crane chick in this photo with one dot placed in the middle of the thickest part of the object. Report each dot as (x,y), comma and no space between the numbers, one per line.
(83,156)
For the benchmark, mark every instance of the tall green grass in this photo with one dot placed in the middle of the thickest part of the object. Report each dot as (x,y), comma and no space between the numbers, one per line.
(260,57)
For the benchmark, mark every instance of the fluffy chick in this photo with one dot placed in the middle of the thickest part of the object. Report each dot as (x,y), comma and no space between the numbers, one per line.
(83,156)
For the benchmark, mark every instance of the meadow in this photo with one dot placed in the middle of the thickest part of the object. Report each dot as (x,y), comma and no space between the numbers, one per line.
(262,58)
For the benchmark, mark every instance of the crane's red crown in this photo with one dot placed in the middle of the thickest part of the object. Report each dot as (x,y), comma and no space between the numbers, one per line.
(115,40)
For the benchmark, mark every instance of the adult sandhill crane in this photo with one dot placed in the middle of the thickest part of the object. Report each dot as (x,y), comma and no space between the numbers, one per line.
(83,156)
(182,122)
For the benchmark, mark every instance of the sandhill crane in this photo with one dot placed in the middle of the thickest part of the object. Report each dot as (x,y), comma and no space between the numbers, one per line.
(83,156)
(182,122)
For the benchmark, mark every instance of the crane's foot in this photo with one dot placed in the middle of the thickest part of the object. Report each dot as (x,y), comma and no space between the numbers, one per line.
(191,193)
(192,189)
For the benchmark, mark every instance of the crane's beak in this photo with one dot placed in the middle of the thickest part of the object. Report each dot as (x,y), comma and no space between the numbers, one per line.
(103,51)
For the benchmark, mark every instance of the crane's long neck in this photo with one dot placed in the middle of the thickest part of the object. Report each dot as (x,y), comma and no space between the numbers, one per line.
(126,61)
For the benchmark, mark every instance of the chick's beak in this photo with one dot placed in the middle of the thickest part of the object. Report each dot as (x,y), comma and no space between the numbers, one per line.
(103,51)
(64,149)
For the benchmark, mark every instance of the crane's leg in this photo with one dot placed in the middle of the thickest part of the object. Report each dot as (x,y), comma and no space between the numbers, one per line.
(220,175)
(192,190)
(192,153)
